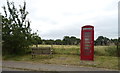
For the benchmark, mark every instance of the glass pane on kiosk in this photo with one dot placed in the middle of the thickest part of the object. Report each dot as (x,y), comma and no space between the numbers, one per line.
(87,40)
(87,44)
(87,34)
(87,47)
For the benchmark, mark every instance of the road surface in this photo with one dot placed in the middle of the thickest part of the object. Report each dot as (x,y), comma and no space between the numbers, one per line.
(21,66)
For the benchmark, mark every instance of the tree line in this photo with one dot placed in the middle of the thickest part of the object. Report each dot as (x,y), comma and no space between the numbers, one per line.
(72,40)
(67,40)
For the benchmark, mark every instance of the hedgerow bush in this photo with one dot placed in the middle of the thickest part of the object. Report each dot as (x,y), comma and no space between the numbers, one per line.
(111,51)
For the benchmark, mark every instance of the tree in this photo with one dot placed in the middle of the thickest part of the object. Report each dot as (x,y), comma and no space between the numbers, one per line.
(73,40)
(16,30)
(102,41)
(49,42)
(66,40)
(58,42)
(115,41)
(36,39)
(78,41)
(106,41)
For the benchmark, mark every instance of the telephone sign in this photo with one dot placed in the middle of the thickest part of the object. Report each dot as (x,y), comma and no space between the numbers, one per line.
(87,43)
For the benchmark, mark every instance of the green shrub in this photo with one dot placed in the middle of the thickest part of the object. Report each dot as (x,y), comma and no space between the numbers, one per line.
(111,51)
(99,53)
(100,50)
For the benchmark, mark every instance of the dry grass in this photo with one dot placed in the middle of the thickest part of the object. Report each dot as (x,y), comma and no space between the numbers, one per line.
(75,49)
(59,46)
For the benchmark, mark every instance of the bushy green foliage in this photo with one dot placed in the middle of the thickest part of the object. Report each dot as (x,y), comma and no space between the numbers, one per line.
(105,50)
(99,53)
(100,50)
(16,31)
(70,40)
(111,51)
(102,41)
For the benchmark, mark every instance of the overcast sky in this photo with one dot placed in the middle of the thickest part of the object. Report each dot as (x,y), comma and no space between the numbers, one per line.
(55,19)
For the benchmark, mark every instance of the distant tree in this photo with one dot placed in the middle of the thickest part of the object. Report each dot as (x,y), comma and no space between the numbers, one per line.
(73,40)
(16,32)
(43,41)
(58,42)
(49,42)
(66,40)
(106,41)
(115,41)
(78,41)
(102,41)
(36,39)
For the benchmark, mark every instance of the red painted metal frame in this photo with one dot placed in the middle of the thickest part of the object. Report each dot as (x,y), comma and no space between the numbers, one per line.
(87,54)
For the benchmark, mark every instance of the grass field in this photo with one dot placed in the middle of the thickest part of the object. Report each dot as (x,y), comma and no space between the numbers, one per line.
(75,49)
(70,55)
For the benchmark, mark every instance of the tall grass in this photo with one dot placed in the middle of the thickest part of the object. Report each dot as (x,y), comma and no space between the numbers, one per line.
(100,50)
(72,51)
(75,50)
(111,51)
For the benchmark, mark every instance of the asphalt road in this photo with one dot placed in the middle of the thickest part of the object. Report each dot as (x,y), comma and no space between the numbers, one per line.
(10,69)
(21,66)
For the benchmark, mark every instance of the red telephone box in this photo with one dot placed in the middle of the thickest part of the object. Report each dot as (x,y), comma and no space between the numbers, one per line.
(87,43)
